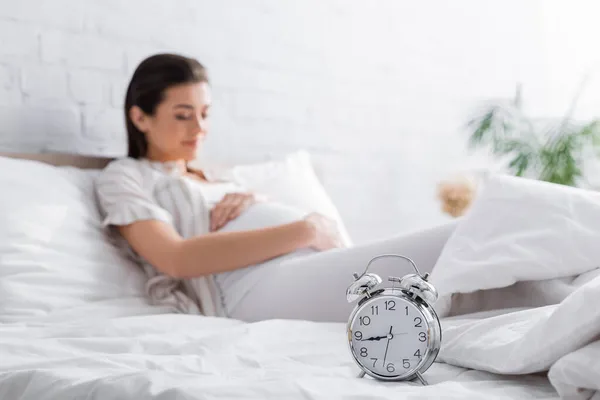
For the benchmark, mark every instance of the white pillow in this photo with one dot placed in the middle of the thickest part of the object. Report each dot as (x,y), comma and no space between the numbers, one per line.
(291,180)
(54,253)
(518,230)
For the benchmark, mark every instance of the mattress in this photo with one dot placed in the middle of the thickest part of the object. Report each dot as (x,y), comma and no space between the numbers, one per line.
(125,349)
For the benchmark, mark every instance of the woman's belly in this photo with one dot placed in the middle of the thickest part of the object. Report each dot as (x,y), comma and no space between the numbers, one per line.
(263,215)
(233,285)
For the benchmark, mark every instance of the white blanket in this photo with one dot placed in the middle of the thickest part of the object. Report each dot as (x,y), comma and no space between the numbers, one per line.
(520,287)
(561,338)
(106,355)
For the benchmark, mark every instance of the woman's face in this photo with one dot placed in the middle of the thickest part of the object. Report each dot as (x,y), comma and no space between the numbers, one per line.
(179,124)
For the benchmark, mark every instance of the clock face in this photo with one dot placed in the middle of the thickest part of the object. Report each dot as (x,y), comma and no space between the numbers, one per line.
(389,336)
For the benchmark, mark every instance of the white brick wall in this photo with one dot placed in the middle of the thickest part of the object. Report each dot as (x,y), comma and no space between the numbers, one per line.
(41,83)
(377,91)
(90,87)
(81,51)
(19,41)
(39,128)
(7,79)
(64,14)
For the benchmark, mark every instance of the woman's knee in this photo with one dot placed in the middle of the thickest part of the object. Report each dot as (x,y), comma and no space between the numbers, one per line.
(423,247)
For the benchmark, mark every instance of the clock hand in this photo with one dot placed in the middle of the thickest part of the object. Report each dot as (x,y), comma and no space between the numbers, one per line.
(374,338)
(389,336)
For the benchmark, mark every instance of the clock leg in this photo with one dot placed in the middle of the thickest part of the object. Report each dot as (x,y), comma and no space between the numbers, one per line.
(361,374)
(421,379)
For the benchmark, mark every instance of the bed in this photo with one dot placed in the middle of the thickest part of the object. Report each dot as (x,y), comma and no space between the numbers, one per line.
(74,322)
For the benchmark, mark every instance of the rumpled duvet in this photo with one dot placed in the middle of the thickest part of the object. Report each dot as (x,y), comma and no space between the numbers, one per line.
(519,286)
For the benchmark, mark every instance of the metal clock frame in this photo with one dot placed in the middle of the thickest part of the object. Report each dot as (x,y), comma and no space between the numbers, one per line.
(434,329)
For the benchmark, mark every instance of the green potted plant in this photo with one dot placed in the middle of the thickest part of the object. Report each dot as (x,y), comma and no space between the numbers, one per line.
(552,151)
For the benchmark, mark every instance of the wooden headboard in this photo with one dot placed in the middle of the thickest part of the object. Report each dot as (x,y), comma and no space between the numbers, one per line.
(63,159)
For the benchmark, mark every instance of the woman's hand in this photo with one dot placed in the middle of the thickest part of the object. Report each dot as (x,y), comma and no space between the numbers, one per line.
(229,208)
(325,233)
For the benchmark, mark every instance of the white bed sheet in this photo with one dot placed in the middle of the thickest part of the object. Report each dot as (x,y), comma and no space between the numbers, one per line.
(127,350)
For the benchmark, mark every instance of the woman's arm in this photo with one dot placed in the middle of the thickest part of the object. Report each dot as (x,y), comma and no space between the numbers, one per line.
(149,230)
(159,244)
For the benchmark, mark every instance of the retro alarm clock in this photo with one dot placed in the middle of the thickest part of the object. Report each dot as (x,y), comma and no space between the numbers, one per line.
(394,333)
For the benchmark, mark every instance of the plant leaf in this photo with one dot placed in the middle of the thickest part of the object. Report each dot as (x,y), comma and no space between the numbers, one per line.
(482,126)
(520,163)
(559,161)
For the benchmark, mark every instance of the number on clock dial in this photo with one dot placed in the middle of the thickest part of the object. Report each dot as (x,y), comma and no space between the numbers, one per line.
(384,353)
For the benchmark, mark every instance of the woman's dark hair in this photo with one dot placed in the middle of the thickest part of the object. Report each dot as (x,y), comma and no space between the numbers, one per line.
(147,87)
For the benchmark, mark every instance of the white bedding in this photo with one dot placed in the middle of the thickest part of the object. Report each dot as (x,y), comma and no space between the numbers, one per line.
(153,355)
(523,297)
(74,323)
(562,338)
